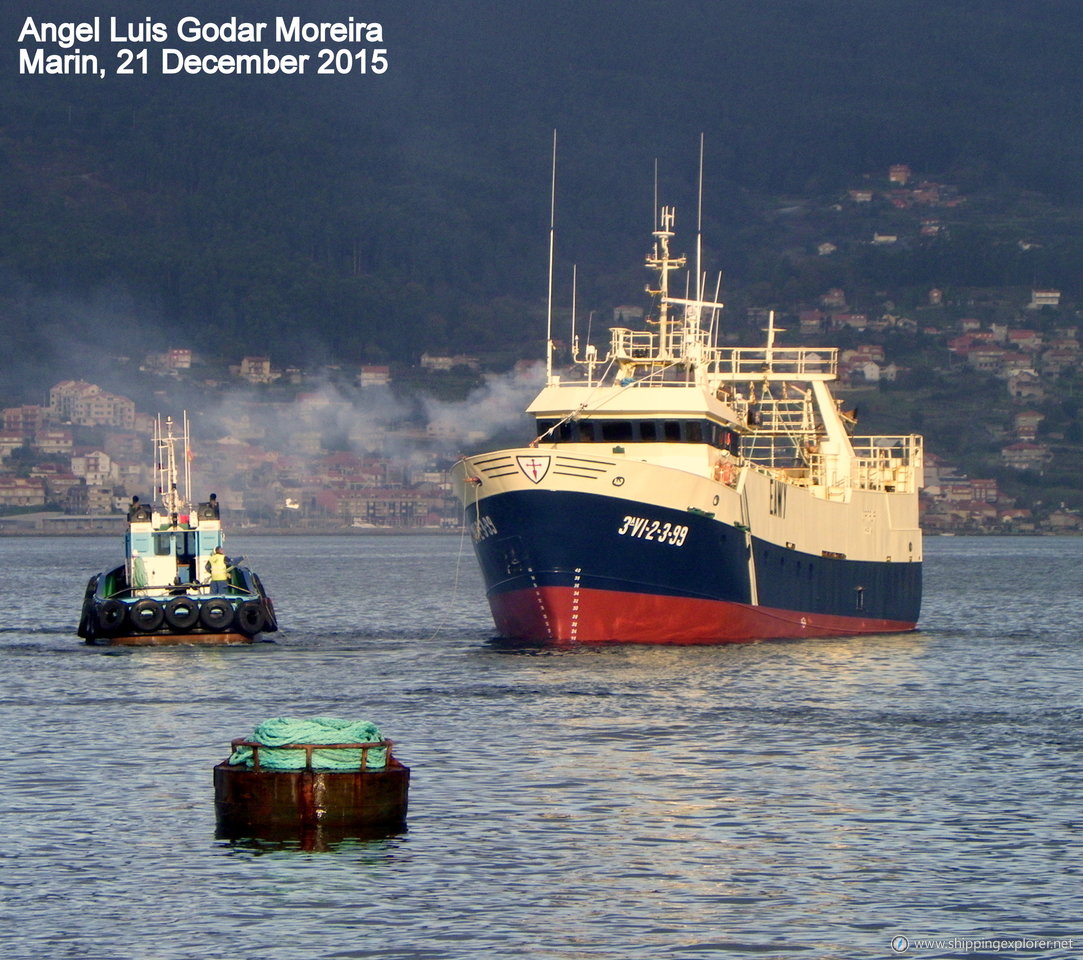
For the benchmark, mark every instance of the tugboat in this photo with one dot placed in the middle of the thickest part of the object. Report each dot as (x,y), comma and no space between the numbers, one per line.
(683,492)
(165,592)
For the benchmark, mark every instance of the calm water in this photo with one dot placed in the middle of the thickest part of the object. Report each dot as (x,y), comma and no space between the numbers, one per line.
(780,800)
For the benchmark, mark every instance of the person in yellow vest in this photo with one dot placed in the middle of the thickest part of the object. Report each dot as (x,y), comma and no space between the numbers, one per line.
(218,566)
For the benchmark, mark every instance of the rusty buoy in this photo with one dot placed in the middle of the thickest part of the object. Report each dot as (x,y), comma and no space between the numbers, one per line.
(259,799)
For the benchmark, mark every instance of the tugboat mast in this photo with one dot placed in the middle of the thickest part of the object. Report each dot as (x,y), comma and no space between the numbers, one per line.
(173,499)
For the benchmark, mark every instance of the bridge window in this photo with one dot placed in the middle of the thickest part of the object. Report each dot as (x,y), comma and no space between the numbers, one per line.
(590,430)
(617,431)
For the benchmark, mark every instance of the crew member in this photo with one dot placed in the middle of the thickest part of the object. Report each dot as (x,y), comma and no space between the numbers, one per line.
(218,566)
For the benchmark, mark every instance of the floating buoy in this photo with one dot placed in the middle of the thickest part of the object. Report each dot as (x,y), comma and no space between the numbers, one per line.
(298,778)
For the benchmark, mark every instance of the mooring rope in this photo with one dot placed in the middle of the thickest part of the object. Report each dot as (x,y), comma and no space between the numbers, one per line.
(458,568)
(279,731)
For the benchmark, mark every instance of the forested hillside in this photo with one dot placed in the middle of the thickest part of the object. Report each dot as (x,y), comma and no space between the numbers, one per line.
(370,218)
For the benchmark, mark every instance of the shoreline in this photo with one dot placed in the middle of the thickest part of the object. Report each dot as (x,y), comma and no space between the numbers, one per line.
(110,527)
(101,527)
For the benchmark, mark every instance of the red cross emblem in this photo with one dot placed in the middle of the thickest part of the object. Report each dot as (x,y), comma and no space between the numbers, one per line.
(535,467)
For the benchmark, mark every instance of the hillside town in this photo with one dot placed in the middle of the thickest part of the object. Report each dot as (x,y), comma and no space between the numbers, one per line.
(75,462)
(328,461)
(368,447)
(1024,366)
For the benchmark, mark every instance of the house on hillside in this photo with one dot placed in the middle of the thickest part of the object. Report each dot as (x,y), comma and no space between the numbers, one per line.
(987,358)
(88,405)
(255,370)
(1026,424)
(1026,385)
(1043,298)
(95,466)
(22,492)
(1064,520)
(373,375)
(25,420)
(1026,456)
(53,440)
(9,442)
(1027,340)
(431,362)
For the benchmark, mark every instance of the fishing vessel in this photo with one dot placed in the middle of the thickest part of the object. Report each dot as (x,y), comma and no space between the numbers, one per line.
(682,491)
(164,592)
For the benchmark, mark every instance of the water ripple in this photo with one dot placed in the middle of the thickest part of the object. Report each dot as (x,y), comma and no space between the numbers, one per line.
(772,800)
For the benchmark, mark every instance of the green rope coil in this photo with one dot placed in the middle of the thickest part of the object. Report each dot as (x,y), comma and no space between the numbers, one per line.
(285,730)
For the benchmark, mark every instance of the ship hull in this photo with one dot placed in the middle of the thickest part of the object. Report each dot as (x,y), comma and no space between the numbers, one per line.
(567,567)
(568,616)
(680,491)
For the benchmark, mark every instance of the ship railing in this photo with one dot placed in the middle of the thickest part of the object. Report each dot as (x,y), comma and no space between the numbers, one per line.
(770,416)
(891,463)
(772,363)
(725,363)
(777,454)
(310,748)
(179,590)
(633,344)
(682,346)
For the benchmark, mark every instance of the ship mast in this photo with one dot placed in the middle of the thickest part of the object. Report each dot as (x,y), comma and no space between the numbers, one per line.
(659,259)
(166,468)
(552,242)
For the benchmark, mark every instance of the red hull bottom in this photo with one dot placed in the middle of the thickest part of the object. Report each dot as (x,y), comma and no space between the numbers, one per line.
(566,615)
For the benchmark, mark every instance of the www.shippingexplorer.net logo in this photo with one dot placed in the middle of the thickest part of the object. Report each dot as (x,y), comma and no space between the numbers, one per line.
(991,945)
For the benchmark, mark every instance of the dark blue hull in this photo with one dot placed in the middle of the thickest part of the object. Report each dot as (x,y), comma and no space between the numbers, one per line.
(560,563)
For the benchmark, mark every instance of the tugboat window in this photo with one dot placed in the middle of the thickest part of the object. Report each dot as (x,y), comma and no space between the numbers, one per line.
(163,544)
(647,431)
(672,431)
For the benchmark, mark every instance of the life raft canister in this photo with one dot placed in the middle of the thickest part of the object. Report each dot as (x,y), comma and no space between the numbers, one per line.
(724,471)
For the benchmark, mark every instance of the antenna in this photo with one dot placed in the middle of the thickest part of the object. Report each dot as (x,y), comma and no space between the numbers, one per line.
(714,310)
(654,205)
(552,232)
(770,336)
(573,310)
(699,226)
(187,459)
